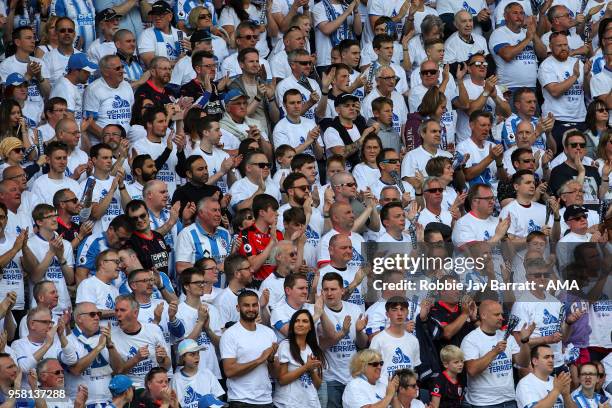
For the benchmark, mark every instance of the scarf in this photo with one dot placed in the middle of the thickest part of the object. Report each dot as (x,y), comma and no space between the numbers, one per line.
(228,124)
(344,31)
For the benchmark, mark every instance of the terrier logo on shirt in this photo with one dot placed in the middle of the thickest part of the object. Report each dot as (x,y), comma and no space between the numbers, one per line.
(110,303)
(469,9)
(120,103)
(190,397)
(400,357)
(549,318)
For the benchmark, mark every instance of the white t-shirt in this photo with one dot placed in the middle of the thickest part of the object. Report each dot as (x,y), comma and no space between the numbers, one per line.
(99,293)
(294,134)
(160,43)
(208,355)
(100,48)
(397,352)
(601,83)
(599,319)
(545,314)
(568,107)
(470,228)
(109,105)
(365,176)
(245,346)
(495,384)
(348,275)
(167,173)
(279,64)
(244,188)
(12,274)
(127,346)
(368,55)
(45,188)
(73,94)
(522,70)
(57,63)
(190,389)
(298,393)
(323,41)
(274,284)
(426,216)
(417,160)
(114,209)
(457,50)
(356,241)
(182,72)
(359,392)
(524,220)
(39,247)
(474,91)
(531,390)
(213,161)
(383,8)
(477,155)
(339,355)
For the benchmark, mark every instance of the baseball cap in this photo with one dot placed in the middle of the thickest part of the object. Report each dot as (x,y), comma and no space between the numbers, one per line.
(200,35)
(107,14)
(574,210)
(160,7)
(15,79)
(232,95)
(119,384)
(79,60)
(188,346)
(210,401)
(344,98)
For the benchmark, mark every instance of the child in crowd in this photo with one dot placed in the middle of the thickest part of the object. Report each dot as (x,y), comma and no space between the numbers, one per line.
(447,390)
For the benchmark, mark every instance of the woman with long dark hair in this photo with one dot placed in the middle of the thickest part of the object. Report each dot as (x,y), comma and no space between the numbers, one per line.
(301,364)
(367,172)
(13,123)
(597,122)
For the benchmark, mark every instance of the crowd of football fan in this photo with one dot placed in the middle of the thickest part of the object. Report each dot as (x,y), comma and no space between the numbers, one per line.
(192,192)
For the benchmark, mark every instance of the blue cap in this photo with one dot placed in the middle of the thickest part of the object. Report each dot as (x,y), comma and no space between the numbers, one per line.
(233,94)
(79,60)
(210,401)
(188,346)
(119,384)
(15,79)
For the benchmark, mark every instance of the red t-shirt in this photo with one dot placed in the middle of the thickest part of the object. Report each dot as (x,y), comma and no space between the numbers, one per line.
(254,242)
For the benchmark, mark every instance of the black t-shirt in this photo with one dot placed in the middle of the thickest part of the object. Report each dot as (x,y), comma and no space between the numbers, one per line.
(213,107)
(444,314)
(449,392)
(152,252)
(592,181)
(160,97)
(67,232)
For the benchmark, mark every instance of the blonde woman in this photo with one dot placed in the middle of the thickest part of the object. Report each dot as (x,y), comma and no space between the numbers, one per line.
(366,390)
(48,38)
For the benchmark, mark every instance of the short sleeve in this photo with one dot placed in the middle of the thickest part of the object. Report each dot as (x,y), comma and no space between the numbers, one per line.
(376,8)
(228,17)
(332,138)
(227,345)
(146,43)
(470,349)
(283,353)
(64,93)
(184,249)
(547,74)
(318,15)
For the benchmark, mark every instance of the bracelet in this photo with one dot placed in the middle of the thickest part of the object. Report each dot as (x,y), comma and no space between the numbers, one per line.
(110,346)
(499,165)
(324,93)
(272,99)
(325,215)
(418,194)
(257,98)
(63,263)
(557,219)
(605,180)
(525,341)
(122,187)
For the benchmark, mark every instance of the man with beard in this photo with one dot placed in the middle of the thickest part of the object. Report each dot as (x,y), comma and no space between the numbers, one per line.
(68,207)
(116,138)
(141,345)
(248,377)
(143,171)
(564,80)
(205,68)
(155,88)
(255,182)
(108,22)
(195,189)
(153,252)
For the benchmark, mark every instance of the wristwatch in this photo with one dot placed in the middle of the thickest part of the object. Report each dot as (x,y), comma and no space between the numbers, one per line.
(485,94)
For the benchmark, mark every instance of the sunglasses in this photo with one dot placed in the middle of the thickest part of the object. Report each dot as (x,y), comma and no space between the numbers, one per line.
(376,364)
(386,78)
(429,72)
(56,372)
(304,63)
(92,314)
(303,188)
(18,150)
(142,216)
(575,145)
(249,218)
(601,110)
(66,30)
(348,185)
(198,283)
(390,161)
(116,261)
(480,64)
(71,200)
(250,37)
(203,16)
(435,190)
(148,280)
(118,68)
(262,165)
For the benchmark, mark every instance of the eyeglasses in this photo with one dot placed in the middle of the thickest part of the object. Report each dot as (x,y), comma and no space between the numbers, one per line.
(250,37)
(429,72)
(390,161)
(351,185)
(376,364)
(304,63)
(198,283)
(204,16)
(25,177)
(575,145)
(47,322)
(142,216)
(116,261)
(92,314)
(66,30)
(118,68)
(578,217)
(71,200)
(53,215)
(386,78)
(249,217)
(262,165)
(437,190)
(574,192)
(480,63)
(490,198)
(56,372)
(303,188)
(148,280)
